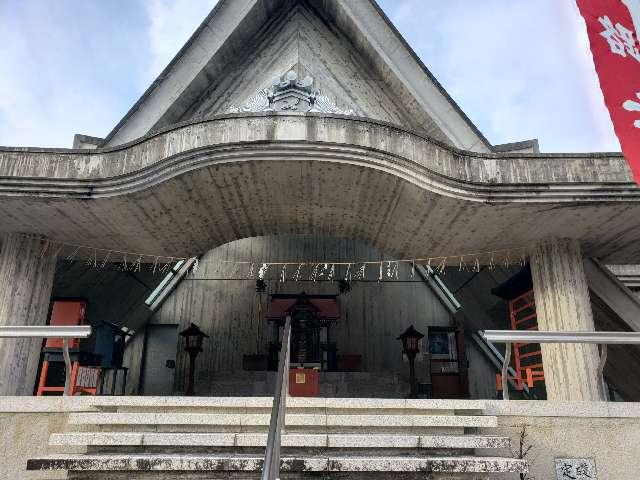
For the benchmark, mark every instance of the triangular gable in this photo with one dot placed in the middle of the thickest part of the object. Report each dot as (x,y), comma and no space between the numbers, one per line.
(299,52)
(357,59)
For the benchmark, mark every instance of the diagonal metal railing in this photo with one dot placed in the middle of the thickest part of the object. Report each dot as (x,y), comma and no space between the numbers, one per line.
(271,467)
(63,332)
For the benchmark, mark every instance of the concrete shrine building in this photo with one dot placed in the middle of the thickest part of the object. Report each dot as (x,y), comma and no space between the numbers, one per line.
(297,159)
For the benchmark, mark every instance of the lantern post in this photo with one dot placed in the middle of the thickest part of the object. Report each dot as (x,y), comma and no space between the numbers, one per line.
(410,339)
(193,337)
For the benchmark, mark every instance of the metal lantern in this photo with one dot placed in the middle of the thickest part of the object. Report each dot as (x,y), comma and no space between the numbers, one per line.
(410,339)
(193,336)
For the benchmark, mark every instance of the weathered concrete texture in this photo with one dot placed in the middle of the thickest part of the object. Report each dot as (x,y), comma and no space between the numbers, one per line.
(189,462)
(616,308)
(23,435)
(181,142)
(563,304)
(221,299)
(45,404)
(611,442)
(300,40)
(610,290)
(27,267)
(132,359)
(86,141)
(201,185)
(351,47)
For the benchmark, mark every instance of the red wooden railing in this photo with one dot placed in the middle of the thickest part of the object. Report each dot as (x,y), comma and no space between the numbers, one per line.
(527,357)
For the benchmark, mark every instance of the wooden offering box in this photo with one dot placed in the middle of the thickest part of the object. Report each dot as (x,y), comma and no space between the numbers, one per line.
(303,382)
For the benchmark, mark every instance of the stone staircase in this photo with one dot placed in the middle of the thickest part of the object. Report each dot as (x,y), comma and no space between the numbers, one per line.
(225,437)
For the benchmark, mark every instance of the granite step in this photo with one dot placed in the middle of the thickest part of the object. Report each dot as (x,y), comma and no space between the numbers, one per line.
(253,463)
(292,420)
(249,404)
(221,475)
(306,440)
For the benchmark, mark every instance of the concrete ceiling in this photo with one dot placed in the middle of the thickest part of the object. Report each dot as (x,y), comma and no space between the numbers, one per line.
(195,186)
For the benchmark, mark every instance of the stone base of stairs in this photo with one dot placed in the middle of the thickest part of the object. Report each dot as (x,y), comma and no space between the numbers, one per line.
(307,463)
(324,438)
(286,476)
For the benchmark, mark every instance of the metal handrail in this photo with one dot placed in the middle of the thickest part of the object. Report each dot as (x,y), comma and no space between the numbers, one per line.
(533,336)
(271,467)
(63,332)
(497,359)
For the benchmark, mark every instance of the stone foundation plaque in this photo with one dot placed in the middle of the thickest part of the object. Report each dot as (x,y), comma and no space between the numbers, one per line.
(576,469)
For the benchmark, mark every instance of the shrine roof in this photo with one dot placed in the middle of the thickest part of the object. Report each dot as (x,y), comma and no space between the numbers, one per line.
(326,306)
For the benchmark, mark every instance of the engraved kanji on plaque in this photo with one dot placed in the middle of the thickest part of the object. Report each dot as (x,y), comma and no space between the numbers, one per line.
(576,469)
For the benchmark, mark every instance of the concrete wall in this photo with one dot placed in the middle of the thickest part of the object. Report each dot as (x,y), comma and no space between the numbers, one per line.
(481,372)
(132,359)
(611,442)
(25,426)
(607,432)
(24,435)
(27,267)
(225,305)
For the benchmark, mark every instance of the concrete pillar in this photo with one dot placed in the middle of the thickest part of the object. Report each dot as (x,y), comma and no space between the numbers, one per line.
(563,304)
(26,279)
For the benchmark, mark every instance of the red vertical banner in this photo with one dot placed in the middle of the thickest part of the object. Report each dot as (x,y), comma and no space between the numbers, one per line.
(616,55)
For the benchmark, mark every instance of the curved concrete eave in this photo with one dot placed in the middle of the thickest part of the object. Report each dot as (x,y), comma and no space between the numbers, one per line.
(184,190)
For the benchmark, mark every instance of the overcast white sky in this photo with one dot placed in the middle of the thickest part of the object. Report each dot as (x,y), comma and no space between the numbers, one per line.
(519,69)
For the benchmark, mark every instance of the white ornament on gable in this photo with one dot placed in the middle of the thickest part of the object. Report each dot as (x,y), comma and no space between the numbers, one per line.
(621,40)
(257,103)
(288,93)
(633,106)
